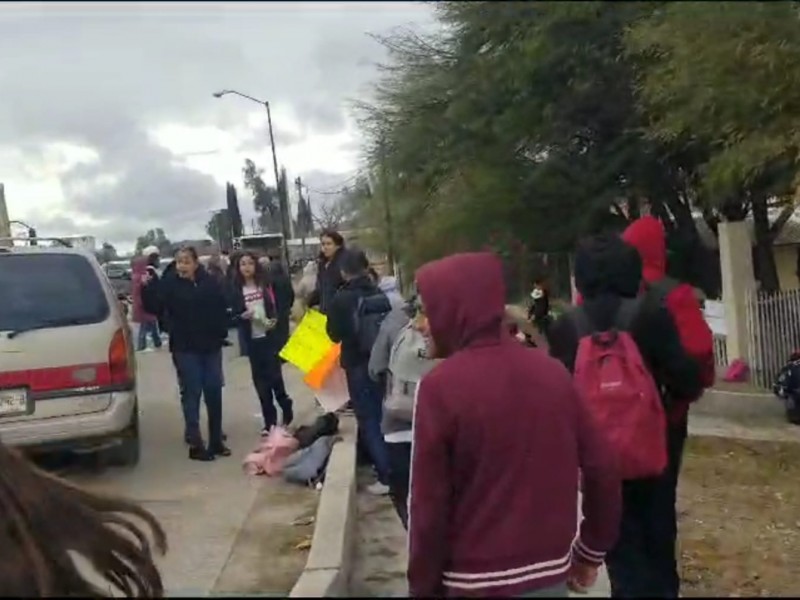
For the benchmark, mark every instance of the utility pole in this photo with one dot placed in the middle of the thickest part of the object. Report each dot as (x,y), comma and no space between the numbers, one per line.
(387,208)
(301,217)
(5,224)
(283,201)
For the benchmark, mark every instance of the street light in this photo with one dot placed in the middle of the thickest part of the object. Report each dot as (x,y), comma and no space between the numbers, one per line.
(282,200)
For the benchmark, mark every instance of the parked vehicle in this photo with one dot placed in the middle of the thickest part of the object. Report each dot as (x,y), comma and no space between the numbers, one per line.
(67,363)
(119,274)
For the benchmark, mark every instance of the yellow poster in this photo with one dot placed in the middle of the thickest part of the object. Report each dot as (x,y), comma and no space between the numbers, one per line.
(309,343)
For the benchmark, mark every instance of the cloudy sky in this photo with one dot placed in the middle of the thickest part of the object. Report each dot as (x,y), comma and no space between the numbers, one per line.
(108,125)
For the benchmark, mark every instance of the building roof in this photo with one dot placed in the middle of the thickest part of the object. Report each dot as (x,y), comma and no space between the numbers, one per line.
(788,236)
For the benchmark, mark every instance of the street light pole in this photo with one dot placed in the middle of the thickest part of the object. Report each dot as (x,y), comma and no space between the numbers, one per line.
(283,201)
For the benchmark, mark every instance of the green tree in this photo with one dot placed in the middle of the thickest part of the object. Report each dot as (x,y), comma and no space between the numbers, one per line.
(220,229)
(154,237)
(304,224)
(265,198)
(725,76)
(516,123)
(107,253)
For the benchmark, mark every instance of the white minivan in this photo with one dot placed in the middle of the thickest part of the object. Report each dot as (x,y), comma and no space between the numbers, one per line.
(67,365)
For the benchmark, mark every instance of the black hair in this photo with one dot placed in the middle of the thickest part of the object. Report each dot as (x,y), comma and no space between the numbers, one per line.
(334,235)
(353,262)
(260,275)
(190,250)
(373,275)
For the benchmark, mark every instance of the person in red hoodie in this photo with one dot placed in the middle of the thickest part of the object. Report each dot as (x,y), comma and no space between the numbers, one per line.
(148,324)
(499,436)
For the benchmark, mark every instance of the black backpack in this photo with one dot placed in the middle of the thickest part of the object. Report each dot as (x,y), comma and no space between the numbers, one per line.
(369,315)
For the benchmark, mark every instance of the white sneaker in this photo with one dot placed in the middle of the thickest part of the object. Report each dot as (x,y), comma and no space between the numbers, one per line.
(378,489)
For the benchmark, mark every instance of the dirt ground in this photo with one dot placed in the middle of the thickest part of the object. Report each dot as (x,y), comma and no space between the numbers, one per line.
(739,523)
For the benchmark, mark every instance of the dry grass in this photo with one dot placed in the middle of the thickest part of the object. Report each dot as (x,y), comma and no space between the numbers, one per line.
(739,518)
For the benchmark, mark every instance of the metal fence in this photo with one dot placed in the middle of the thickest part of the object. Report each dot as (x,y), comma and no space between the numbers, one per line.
(720,351)
(773,329)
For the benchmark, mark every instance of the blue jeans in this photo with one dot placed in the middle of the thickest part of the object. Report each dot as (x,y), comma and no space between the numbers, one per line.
(201,375)
(150,328)
(367,398)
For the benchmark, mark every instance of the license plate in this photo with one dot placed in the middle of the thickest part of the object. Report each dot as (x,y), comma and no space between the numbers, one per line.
(13,402)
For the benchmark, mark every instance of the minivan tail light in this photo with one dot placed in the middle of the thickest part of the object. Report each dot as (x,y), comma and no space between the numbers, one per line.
(120,362)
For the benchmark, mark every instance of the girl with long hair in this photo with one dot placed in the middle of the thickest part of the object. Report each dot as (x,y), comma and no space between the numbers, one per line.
(329,276)
(255,302)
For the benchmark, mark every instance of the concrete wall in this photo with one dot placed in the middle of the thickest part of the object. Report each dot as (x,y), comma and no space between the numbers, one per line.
(786,263)
(738,282)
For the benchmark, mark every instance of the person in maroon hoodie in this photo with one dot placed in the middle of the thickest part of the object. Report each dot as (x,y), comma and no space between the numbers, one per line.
(499,436)
(148,324)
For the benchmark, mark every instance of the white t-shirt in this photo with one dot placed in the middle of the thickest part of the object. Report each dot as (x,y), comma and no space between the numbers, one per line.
(254,301)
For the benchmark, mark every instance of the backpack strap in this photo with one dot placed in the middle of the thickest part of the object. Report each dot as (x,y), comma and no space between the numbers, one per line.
(662,288)
(627,311)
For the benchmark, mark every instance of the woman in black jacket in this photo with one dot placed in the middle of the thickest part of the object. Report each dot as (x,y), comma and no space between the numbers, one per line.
(284,298)
(329,275)
(256,303)
(195,305)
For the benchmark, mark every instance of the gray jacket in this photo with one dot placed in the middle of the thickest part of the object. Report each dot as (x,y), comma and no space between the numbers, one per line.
(396,361)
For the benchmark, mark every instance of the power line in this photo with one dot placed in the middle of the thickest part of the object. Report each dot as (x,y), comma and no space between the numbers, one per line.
(337,189)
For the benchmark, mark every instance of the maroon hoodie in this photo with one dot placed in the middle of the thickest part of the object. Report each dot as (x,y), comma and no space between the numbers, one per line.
(499,436)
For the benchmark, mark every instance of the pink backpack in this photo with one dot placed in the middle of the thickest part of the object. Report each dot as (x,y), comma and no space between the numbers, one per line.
(620,393)
(271,454)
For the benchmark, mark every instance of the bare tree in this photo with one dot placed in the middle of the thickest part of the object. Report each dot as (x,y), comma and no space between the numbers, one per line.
(332,216)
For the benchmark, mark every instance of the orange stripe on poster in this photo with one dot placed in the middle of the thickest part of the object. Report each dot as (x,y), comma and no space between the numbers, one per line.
(315,378)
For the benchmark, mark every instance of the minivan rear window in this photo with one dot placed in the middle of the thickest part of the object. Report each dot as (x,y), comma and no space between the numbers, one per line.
(49,289)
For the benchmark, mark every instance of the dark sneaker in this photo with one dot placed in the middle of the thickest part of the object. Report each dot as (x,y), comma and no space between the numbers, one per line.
(200,453)
(221,450)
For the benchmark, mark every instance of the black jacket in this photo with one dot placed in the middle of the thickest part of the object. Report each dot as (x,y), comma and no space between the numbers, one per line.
(342,315)
(238,305)
(329,280)
(195,311)
(284,298)
(605,273)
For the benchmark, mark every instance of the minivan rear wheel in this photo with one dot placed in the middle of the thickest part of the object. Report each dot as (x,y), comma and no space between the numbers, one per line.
(128,452)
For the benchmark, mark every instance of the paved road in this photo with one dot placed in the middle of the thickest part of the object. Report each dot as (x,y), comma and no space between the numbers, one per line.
(202,506)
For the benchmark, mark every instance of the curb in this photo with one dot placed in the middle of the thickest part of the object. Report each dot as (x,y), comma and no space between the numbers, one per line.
(330,561)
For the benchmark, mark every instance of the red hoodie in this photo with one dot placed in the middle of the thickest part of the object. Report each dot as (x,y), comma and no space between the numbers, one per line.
(648,237)
(138,272)
(499,436)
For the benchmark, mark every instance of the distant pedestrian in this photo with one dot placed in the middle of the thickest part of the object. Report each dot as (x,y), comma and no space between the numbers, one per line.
(539,308)
(231,273)
(148,323)
(196,305)
(354,321)
(398,361)
(388,285)
(329,274)
(500,434)
(255,303)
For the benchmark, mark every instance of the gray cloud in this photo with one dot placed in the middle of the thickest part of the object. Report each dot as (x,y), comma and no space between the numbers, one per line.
(102,76)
